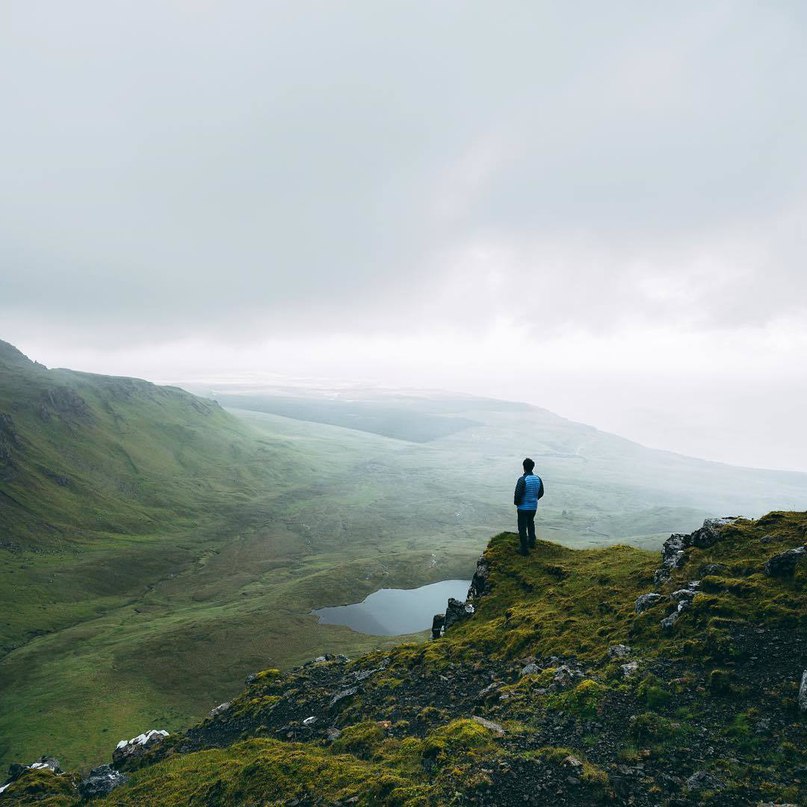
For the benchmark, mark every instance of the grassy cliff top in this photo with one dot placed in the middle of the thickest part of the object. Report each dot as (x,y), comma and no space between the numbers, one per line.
(560,687)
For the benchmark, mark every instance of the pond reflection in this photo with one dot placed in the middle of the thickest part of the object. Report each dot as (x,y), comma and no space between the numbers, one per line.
(395,611)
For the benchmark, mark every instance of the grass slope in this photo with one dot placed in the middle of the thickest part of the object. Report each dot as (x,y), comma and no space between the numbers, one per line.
(155,549)
(527,701)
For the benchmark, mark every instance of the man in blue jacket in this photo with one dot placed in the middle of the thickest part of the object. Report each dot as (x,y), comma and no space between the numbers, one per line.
(529,489)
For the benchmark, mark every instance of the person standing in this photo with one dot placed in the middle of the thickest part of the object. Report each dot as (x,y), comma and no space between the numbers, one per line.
(529,488)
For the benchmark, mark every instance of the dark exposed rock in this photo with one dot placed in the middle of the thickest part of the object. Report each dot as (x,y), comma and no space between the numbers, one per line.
(674,550)
(784,564)
(129,750)
(100,782)
(703,780)
(457,611)
(644,601)
(438,621)
(480,583)
(65,402)
(343,695)
(672,618)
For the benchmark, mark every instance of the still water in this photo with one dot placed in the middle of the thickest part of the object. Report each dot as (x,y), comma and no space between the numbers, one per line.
(393,611)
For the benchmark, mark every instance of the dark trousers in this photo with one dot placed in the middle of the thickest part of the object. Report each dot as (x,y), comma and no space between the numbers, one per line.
(526,529)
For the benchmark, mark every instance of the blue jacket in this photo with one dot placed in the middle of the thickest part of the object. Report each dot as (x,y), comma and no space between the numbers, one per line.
(529,489)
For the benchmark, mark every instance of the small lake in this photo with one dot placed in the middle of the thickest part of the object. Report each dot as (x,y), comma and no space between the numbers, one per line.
(394,611)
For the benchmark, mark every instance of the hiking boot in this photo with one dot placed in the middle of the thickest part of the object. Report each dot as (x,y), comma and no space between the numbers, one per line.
(523,552)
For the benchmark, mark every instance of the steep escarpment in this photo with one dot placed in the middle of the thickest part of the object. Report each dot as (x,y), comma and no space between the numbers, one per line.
(582,676)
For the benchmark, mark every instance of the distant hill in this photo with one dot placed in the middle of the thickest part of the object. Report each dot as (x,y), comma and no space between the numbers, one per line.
(603,487)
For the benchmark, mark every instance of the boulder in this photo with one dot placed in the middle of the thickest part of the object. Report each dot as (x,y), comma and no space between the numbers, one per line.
(100,781)
(672,618)
(127,750)
(457,611)
(530,669)
(784,564)
(644,601)
(220,709)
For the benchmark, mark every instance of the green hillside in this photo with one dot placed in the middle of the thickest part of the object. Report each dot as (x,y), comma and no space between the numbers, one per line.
(156,548)
(566,685)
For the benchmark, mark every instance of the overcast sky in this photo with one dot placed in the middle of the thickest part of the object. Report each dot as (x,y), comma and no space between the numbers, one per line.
(596,207)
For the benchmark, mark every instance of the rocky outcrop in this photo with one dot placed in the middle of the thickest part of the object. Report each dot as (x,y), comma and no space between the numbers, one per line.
(15,770)
(803,693)
(100,782)
(438,623)
(644,601)
(673,552)
(128,750)
(9,443)
(784,564)
(480,583)
(457,611)
(65,402)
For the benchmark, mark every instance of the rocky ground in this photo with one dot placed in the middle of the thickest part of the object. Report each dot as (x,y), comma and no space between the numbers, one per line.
(694,696)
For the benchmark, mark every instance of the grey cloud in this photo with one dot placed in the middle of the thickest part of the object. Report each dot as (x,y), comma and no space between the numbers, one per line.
(175,168)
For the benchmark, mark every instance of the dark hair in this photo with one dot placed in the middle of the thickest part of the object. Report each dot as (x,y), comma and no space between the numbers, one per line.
(528,464)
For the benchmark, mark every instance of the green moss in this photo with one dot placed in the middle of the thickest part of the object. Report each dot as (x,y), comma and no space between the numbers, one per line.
(651,729)
(581,701)
(361,740)
(42,786)
(250,771)
(653,692)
